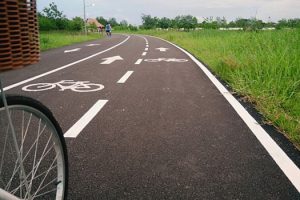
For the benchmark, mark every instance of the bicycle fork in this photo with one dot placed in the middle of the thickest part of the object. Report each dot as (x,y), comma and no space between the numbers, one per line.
(4,194)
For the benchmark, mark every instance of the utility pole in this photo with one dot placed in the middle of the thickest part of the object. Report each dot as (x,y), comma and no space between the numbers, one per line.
(84,16)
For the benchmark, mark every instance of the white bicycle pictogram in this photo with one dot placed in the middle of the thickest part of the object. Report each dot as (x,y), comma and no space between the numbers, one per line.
(166,60)
(76,86)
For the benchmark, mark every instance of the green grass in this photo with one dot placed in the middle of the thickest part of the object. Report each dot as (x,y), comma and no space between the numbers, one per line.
(55,39)
(262,66)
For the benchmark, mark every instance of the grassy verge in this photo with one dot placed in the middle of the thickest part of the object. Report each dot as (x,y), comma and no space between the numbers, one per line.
(54,39)
(262,66)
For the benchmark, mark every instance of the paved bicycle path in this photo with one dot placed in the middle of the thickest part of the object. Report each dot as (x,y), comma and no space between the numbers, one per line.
(166,133)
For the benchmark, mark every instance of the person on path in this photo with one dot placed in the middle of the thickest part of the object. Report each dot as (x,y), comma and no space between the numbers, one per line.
(108,29)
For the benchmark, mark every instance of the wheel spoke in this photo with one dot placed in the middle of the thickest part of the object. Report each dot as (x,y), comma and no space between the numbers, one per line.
(32,163)
(4,150)
(23,182)
(42,182)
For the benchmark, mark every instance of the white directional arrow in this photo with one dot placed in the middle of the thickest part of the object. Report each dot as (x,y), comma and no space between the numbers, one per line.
(72,50)
(111,60)
(91,45)
(162,49)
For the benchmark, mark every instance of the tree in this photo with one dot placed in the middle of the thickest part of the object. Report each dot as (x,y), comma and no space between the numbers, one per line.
(123,23)
(113,21)
(186,21)
(55,16)
(149,22)
(52,12)
(76,24)
(101,20)
(46,24)
(164,23)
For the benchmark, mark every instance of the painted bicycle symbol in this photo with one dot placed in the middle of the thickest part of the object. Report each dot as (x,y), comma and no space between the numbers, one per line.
(76,86)
(166,60)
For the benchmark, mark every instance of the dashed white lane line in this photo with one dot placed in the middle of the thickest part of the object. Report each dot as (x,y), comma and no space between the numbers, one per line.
(63,67)
(138,61)
(74,131)
(125,77)
(147,46)
(91,45)
(72,50)
(144,53)
(146,49)
(288,167)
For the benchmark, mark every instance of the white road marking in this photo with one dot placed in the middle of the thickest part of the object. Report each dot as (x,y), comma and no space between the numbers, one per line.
(72,50)
(144,53)
(63,67)
(125,77)
(138,61)
(279,156)
(111,60)
(165,60)
(144,39)
(91,45)
(146,49)
(75,86)
(147,46)
(162,49)
(74,131)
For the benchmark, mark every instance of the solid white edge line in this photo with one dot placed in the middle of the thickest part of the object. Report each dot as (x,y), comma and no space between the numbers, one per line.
(279,156)
(125,77)
(138,61)
(144,53)
(63,67)
(74,131)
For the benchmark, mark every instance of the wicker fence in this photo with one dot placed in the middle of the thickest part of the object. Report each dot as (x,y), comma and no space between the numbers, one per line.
(19,36)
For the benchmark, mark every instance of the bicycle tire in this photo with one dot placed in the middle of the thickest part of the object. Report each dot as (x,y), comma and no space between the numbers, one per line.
(25,105)
(36,87)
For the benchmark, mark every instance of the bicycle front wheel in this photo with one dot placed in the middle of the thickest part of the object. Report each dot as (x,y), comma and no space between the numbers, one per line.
(33,154)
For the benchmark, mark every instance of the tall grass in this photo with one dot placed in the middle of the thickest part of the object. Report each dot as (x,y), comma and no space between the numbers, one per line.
(262,66)
(54,39)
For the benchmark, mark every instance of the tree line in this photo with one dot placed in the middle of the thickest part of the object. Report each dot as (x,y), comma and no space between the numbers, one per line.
(188,22)
(53,19)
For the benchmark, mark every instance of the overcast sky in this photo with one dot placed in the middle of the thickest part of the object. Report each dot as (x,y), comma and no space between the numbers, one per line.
(131,10)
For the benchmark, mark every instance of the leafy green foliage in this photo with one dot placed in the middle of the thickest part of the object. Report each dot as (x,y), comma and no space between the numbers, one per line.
(113,22)
(53,19)
(149,22)
(76,24)
(101,20)
(52,12)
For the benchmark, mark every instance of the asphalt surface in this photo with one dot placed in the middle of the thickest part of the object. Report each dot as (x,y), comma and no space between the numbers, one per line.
(165,133)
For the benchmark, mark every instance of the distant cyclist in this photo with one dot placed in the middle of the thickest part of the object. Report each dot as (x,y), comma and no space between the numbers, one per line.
(108,29)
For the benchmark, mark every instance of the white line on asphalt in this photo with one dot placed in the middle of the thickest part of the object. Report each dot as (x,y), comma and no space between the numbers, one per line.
(147,46)
(144,53)
(143,38)
(146,49)
(63,67)
(279,156)
(72,50)
(138,61)
(91,45)
(74,131)
(125,77)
